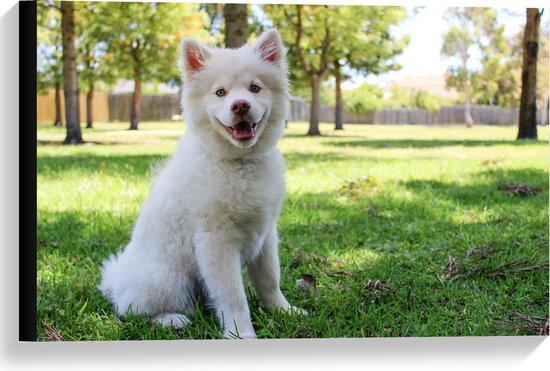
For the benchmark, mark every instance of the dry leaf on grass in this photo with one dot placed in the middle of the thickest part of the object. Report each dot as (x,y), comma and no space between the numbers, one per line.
(308,284)
(374,289)
(450,272)
(491,163)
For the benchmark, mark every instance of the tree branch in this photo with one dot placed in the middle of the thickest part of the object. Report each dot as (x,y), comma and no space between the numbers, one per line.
(298,28)
(325,49)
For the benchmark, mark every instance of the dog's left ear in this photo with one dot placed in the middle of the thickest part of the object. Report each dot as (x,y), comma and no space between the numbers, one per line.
(270,47)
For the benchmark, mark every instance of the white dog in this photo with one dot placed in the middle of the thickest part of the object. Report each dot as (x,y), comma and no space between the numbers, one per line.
(214,207)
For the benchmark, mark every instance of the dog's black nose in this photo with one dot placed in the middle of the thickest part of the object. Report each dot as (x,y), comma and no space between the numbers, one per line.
(240,107)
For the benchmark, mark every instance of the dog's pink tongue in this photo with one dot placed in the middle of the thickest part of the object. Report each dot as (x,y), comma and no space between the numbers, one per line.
(243,130)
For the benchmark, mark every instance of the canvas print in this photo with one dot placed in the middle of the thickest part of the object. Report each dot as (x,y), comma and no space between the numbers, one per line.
(274,171)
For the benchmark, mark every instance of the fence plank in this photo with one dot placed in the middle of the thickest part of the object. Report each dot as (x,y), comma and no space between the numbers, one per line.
(45,107)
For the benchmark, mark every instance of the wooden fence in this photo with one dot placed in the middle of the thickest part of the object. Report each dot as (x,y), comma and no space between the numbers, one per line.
(117,107)
(45,110)
(485,115)
(153,107)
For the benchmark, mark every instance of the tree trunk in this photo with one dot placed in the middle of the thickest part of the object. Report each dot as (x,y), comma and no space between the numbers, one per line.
(528,103)
(70,78)
(544,111)
(338,119)
(467,110)
(89,108)
(58,121)
(236,25)
(136,105)
(315,105)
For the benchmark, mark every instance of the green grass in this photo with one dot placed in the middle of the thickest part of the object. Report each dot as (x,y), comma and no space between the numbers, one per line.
(403,228)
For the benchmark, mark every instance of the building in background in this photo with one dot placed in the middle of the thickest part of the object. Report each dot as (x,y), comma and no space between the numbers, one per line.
(432,84)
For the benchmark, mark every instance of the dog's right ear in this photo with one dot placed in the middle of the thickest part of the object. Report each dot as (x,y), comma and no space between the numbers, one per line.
(193,56)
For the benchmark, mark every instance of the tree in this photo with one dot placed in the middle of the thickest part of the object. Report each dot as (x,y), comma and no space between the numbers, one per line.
(236,25)
(309,33)
(214,11)
(144,42)
(542,72)
(457,42)
(50,54)
(70,77)
(92,50)
(366,46)
(528,104)
(495,83)
(333,39)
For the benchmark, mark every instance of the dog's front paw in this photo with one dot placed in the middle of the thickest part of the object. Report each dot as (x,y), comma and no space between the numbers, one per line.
(174,320)
(290,309)
(296,311)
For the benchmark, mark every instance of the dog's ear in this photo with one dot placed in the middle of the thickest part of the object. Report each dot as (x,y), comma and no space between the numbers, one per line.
(193,56)
(270,47)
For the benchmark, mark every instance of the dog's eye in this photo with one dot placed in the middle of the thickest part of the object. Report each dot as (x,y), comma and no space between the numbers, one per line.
(254,88)
(220,92)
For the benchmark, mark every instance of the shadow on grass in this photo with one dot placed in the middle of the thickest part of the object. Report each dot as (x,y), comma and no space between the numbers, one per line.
(144,139)
(440,218)
(484,191)
(429,143)
(323,135)
(120,165)
(294,160)
(140,165)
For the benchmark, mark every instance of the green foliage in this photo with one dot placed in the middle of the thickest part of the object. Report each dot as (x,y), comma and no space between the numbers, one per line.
(430,102)
(496,82)
(458,42)
(145,37)
(120,40)
(49,47)
(365,98)
(92,47)
(357,38)
(306,33)
(368,98)
(367,44)
(373,214)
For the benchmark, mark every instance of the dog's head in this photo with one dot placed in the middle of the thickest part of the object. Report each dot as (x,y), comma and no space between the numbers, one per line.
(236,100)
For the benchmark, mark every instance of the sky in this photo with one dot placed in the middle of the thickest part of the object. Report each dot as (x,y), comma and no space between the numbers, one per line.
(421,57)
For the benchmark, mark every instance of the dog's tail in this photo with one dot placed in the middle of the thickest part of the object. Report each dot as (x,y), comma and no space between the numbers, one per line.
(108,273)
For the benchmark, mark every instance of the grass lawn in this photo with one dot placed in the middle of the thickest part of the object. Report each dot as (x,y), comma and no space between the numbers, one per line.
(402,231)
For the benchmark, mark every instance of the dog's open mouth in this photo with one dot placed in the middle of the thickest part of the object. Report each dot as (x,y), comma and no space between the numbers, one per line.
(243,130)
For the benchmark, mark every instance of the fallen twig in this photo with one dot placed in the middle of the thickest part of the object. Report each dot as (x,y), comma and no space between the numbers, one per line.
(520,321)
(51,332)
(519,189)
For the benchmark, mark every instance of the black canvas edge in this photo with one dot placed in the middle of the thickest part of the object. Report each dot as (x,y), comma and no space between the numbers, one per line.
(27,171)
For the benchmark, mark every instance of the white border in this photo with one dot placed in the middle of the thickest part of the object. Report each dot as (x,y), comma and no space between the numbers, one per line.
(465,353)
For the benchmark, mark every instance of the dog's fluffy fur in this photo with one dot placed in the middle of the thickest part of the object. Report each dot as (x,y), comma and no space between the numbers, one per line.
(214,207)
